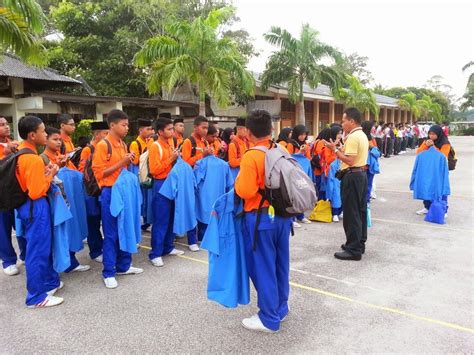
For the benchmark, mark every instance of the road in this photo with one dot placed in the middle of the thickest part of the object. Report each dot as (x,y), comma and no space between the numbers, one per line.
(412,291)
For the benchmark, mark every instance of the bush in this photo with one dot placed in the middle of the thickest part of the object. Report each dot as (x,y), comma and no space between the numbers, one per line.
(468,131)
(83,129)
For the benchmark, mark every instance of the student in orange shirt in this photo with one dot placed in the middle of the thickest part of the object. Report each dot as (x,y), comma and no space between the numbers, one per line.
(138,147)
(269,263)
(106,170)
(35,215)
(100,130)
(213,139)
(161,157)
(298,143)
(191,153)
(178,124)
(7,218)
(238,147)
(316,162)
(51,153)
(284,137)
(67,126)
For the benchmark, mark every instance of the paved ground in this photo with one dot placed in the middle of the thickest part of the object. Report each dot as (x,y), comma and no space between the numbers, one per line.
(412,292)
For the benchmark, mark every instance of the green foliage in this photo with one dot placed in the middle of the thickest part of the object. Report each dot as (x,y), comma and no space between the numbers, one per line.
(21,24)
(358,96)
(194,52)
(83,129)
(356,65)
(421,108)
(299,61)
(468,131)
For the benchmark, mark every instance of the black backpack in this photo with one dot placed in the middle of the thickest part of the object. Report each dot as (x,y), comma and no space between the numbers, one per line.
(194,145)
(76,157)
(10,190)
(90,182)
(452,160)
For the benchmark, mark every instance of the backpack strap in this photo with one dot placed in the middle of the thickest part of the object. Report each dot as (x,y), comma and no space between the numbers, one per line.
(62,150)
(139,146)
(257,221)
(175,142)
(45,159)
(109,148)
(193,145)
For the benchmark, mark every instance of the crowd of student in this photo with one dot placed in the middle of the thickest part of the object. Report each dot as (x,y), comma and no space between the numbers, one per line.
(109,193)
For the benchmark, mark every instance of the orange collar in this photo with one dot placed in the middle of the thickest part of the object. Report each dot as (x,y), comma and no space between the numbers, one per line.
(26,144)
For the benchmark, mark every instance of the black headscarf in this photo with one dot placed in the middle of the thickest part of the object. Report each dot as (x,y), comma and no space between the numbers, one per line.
(334,131)
(442,139)
(297,131)
(367,129)
(226,134)
(284,135)
(325,134)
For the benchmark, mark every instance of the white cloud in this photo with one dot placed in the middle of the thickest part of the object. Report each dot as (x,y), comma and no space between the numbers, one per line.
(406,42)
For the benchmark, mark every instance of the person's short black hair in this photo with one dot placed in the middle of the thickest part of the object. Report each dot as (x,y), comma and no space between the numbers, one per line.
(83,141)
(52,130)
(259,122)
(200,119)
(28,124)
(116,115)
(212,129)
(161,123)
(63,118)
(354,114)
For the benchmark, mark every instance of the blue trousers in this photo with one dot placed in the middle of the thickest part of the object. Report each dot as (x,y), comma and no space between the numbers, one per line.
(162,236)
(269,265)
(40,275)
(147,195)
(336,211)
(94,235)
(370,183)
(197,234)
(7,252)
(74,262)
(114,259)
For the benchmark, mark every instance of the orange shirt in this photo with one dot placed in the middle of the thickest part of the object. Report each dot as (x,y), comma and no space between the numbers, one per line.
(217,147)
(294,150)
(67,143)
(317,150)
(85,155)
(235,156)
(160,161)
(445,148)
(187,150)
(100,162)
(251,178)
(327,157)
(179,139)
(144,145)
(372,143)
(30,173)
(55,158)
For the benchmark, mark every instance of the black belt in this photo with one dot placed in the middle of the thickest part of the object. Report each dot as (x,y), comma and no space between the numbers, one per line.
(356,170)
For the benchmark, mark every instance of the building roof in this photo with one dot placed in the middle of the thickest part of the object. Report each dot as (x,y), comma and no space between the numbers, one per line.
(325,91)
(13,66)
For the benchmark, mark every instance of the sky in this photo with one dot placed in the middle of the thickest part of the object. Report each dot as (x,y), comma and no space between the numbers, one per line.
(407,42)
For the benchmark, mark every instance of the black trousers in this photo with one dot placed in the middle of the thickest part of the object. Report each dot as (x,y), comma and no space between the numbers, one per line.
(379,144)
(354,204)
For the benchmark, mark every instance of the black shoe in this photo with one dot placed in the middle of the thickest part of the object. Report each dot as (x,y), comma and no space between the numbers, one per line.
(343,247)
(344,255)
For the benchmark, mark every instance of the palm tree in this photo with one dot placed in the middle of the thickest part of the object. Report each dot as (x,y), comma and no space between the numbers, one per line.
(430,109)
(195,53)
(298,61)
(21,23)
(358,96)
(409,101)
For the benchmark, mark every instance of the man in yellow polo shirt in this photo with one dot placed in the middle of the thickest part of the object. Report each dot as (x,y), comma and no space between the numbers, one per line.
(353,157)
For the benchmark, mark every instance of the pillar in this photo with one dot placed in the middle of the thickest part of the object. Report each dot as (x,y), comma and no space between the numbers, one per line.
(316,117)
(331,112)
(384,114)
(367,115)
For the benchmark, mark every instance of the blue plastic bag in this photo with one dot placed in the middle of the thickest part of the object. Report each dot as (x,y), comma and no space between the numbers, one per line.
(369,217)
(436,212)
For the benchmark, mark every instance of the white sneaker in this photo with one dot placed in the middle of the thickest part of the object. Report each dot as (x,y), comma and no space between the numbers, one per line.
(81,268)
(254,323)
(131,271)
(335,218)
(20,262)
(110,282)
(11,270)
(158,262)
(422,211)
(176,252)
(54,290)
(305,221)
(445,215)
(285,317)
(99,259)
(341,216)
(49,301)
(194,247)
(296,225)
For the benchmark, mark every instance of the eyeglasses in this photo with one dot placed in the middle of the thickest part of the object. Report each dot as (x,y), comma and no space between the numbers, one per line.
(70,124)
